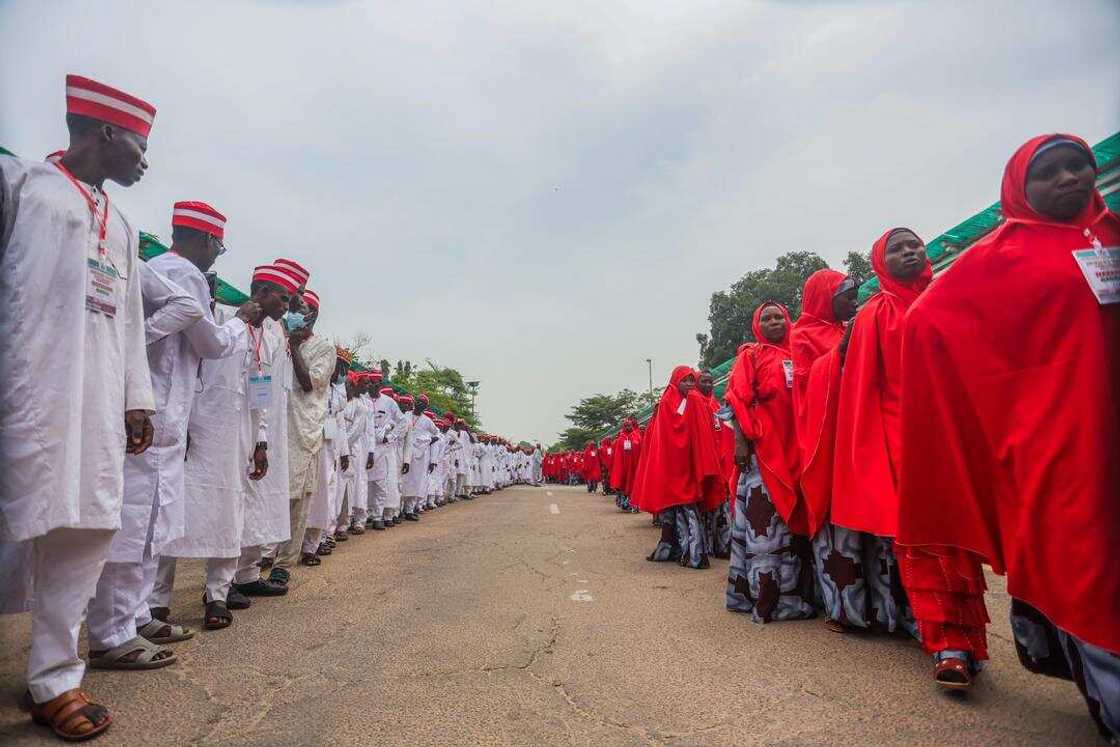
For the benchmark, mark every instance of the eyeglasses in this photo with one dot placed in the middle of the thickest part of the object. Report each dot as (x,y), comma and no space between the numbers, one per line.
(221,246)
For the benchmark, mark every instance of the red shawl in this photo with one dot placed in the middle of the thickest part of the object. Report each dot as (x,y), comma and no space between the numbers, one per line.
(1011,395)
(868,423)
(762,399)
(590,465)
(680,460)
(816,388)
(606,451)
(624,462)
(725,441)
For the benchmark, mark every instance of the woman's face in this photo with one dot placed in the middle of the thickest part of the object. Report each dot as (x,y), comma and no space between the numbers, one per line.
(773,324)
(905,257)
(1060,182)
(686,385)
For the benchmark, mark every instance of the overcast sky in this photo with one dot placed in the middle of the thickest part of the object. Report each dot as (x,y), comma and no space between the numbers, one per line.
(543,195)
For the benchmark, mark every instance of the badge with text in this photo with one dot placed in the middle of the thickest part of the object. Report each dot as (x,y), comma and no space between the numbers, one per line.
(1101,268)
(787,367)
(260,392)
(330,429)
(101,279)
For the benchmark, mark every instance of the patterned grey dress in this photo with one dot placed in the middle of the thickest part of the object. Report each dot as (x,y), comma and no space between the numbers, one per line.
(859,581)
(771,574)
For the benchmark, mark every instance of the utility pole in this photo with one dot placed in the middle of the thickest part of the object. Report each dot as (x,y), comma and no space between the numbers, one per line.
(473,387)
(649,362)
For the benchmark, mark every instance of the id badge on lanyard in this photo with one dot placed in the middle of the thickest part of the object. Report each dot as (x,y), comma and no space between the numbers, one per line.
(1101,267)
(260,391)
(787,368)
(101,280)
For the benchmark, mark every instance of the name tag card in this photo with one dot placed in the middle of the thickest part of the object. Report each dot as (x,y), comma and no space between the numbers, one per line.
(101,278)
(1101,268)
(260,392)
(330,428)
(787,367)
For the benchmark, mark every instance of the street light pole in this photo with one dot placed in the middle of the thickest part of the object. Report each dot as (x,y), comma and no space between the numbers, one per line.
(649,362)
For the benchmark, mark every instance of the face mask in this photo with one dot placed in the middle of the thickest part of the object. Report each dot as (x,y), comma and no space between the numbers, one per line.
(293,321)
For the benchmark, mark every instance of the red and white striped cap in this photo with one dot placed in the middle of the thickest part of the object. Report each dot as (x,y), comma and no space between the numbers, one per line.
(311,298)
(298,271)
(387,391)
(275,275)
(105,104)
(199,216)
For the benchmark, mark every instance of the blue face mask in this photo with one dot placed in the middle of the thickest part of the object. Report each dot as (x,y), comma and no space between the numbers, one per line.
(294,320)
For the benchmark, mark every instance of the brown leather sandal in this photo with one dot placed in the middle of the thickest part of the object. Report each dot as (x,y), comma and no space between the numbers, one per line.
(72,716)
(953,674)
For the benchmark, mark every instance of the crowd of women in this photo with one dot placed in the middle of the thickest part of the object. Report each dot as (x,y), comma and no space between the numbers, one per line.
(873,459)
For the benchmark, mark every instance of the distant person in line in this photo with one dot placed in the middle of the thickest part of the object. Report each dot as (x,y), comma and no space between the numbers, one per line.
(718,521)
(679,475)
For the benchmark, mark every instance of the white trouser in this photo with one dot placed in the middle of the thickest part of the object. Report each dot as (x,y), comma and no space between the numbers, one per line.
(376,497)
(66,564)
(311,539)
(219,575)
(121,603)
(247,569)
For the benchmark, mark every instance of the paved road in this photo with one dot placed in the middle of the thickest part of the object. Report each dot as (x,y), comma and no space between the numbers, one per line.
(531,617)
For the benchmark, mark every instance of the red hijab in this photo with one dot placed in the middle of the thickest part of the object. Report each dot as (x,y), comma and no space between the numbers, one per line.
(725,442)
(606,451)
(868,422)
(590,467)
(680,463)
(761,394)
(1011,398)
(624,461)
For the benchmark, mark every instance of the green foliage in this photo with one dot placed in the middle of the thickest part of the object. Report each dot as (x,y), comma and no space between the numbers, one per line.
(729,312)
(858,267)
(597,414)
(445,388)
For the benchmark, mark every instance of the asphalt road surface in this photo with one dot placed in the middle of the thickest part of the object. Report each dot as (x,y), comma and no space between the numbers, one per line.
(532,617)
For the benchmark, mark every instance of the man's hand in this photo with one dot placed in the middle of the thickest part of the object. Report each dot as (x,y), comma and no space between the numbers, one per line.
(404,468)
(345,462)
(138,431)
(299,336)
(250,312)
(369,461)
(431,467)
(260,462)
(742,449)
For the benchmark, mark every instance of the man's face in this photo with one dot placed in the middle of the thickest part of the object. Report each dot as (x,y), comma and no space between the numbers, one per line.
(274,302)
(844,304)
(212,249)
(705,383)
(905,257)
(124,155)
(1060,182)
(773,324)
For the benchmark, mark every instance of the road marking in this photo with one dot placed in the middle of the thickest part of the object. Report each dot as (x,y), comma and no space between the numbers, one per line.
(582,595)
(548,493)
(553,508)
(581,580)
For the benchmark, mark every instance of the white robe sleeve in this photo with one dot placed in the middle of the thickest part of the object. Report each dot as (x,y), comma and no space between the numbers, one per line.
(138,393)
(170,308)
(211,340)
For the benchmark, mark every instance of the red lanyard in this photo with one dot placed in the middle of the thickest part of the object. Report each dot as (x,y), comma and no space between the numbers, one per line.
(103,220)
(257,339)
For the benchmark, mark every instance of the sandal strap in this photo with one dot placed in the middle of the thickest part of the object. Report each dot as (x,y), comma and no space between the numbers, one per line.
(70,711)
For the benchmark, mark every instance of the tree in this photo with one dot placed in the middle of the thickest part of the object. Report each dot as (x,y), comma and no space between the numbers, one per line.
(402,371)
(858,267)
(730,311)
(597,414)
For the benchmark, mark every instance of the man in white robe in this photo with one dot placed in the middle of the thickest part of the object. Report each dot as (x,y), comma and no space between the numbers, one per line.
(228,449)
(154,506)
(313,361)
(384,496)
(77,391)
(326,502)
(356,417)
(463,468)
(267,520)
(538,466)
(417,464)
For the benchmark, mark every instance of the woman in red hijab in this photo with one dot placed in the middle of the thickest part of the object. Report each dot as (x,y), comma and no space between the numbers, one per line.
(679,476)
(828,300)
(1011,398)
(719,520)
(771,572)
(605,453)
(590,466)
(856,563)
(624,463)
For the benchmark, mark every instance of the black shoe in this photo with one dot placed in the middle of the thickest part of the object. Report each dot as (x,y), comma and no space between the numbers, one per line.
(411,517)
(279,576)
(265,564)
(261,588)
(378,524)
(235,600)
(396,520)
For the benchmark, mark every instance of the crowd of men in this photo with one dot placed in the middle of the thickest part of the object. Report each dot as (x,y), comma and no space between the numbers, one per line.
(866,461)
(140,423)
